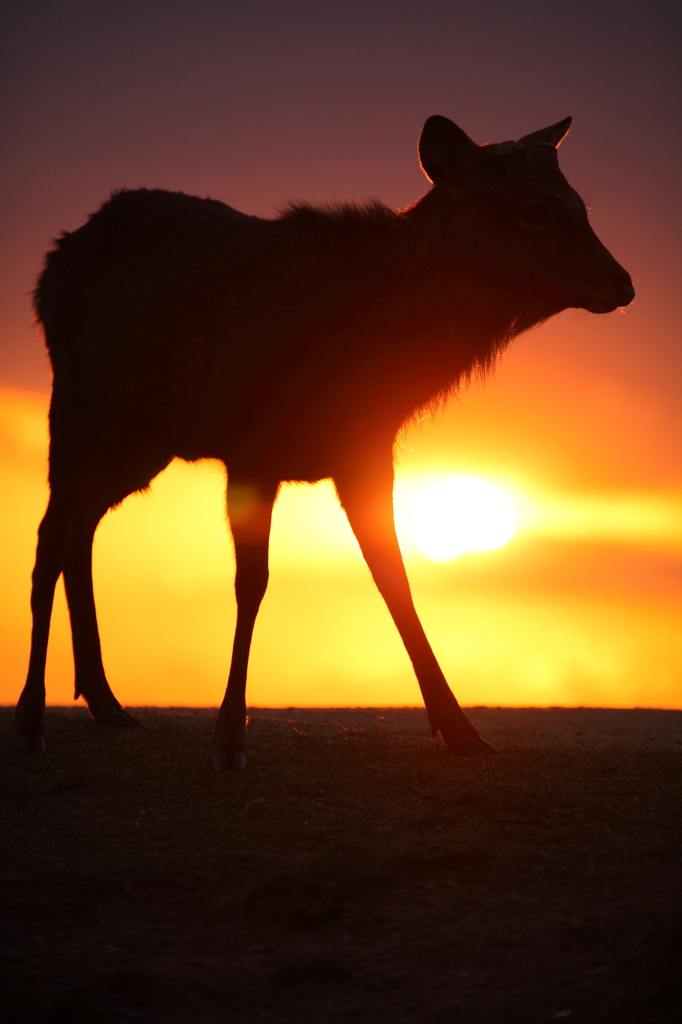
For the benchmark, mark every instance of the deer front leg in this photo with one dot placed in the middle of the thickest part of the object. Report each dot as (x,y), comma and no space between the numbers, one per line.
(367,497)
(249,507)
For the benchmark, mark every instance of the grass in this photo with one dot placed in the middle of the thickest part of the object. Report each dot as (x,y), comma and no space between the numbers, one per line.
(345,876)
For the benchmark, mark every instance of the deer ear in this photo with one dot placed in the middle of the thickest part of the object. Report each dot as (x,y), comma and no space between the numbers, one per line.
(446,153)
(552,136)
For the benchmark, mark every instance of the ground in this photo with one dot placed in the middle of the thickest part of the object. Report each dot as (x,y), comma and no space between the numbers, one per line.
(354,872)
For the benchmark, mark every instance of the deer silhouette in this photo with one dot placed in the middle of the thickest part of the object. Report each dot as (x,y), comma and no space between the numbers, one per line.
(290,349)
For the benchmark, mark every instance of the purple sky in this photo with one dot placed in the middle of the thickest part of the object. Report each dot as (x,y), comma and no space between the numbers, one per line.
(260,102)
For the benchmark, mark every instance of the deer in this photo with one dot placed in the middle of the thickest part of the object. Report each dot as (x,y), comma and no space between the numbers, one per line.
(290,349)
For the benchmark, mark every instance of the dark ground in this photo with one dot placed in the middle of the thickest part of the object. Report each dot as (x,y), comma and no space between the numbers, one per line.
(355,872)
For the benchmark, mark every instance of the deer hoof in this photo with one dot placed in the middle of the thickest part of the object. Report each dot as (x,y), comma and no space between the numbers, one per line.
(470,746)
(113,718)
(223,759)
(30,743)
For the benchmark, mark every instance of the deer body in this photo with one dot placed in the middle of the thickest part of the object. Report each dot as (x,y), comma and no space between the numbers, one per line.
(291,349)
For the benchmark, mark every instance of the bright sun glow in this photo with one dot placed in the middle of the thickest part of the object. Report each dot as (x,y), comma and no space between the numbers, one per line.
(462,514)
(164,576)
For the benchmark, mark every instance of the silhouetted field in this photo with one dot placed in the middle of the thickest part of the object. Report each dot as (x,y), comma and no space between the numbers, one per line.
(354,872)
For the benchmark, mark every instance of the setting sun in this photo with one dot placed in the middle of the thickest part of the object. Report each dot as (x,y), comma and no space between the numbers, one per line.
(462,514)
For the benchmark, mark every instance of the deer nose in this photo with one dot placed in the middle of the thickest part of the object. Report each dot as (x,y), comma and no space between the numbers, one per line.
(625,293)
(619,293)
(629,293)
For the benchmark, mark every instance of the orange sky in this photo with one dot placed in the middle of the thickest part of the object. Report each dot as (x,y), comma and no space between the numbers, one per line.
(582,607)
(580,426)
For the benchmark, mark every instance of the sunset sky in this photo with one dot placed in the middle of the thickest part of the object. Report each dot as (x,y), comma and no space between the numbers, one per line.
(259,103)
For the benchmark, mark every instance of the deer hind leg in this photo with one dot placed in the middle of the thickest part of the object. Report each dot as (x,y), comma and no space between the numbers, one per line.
(104,481)
(250,510)
(367,497)
(54,534)
(91,681)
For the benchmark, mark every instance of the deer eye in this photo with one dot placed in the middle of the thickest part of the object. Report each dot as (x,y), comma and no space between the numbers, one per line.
(535,217)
